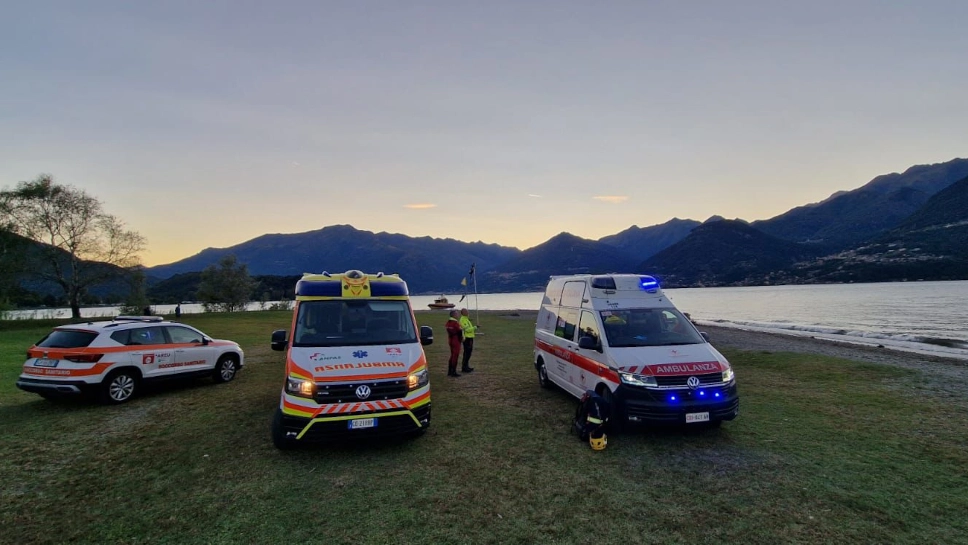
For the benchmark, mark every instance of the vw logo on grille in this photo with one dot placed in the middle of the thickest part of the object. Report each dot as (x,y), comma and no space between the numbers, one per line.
(692,383)
(363,392)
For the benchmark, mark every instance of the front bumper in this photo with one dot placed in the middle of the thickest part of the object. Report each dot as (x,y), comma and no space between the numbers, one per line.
(60,387)
(648,406)
(389,423)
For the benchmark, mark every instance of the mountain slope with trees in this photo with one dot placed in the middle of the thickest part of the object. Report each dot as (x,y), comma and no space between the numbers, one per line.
(562,254)
(726,252)
(849,218)
(644,242)
(931,244)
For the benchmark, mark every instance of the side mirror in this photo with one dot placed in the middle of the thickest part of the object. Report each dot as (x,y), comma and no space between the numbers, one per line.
(588,343)
(279,340)
(704,335)
(426,335)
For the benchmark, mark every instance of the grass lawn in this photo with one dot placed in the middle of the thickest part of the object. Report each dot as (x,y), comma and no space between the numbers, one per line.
(824,451)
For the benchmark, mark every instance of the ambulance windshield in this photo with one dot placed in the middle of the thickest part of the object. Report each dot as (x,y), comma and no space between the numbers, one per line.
(648,327)
(353,323)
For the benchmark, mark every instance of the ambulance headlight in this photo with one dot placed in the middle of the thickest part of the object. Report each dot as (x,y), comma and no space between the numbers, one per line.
(418,379)
(300,387)
(637,380)
(728,375)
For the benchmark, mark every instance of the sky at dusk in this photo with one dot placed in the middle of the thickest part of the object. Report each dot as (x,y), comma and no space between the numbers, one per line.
(206,124)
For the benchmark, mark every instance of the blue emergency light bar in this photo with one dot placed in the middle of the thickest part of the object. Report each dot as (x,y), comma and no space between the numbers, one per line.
(648,283)
(334,288)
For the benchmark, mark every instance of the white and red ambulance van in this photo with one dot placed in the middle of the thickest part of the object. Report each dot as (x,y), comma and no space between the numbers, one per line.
(620,336)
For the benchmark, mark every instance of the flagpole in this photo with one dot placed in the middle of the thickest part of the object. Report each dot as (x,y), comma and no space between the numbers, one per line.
(477,306)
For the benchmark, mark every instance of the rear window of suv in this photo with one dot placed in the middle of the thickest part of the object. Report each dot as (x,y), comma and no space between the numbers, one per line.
(66,338)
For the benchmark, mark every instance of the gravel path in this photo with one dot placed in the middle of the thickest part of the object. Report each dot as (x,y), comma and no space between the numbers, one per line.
(947,375)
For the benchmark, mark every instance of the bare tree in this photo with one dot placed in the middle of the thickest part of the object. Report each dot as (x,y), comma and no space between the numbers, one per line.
(82,245)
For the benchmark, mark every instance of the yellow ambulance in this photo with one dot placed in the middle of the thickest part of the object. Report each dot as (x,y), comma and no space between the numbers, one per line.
(355,364)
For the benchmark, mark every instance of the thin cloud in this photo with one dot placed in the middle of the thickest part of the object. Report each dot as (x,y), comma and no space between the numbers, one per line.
(420,206)
(614,199)
(532,195)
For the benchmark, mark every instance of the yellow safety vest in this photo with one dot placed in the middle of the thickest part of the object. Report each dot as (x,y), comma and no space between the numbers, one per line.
(467,326)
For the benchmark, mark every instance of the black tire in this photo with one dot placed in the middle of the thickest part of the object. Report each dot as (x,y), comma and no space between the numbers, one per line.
(543,379)
(120,386)
(226,368)
(279,438)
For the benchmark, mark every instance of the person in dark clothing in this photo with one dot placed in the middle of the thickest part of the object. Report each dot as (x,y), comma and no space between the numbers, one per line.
(455,337)
(468,329)
(178,311)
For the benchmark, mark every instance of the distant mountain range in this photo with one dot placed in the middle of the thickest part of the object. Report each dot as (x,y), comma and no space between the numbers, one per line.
(910,225)
(428,264)
(907,226)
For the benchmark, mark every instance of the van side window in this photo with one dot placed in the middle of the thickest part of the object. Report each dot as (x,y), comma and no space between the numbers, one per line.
(572,294)
(548,321)
(567,318)
(588,327)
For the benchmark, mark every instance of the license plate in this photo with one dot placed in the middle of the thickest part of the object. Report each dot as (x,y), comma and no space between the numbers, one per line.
(697,417)
(361,423)
(41,362)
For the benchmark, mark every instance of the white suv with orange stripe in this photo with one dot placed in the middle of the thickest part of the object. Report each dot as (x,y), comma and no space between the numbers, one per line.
(114,358)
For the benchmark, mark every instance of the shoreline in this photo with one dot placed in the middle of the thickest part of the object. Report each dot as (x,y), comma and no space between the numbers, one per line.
(747,339)
(946,375)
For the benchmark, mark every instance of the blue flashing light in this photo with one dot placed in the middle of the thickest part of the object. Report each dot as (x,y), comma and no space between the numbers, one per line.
(672,398)
(717,394)
(648,283)
(702,393)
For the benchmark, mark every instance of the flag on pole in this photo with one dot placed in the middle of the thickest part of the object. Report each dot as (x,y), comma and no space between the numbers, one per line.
(471,274)
(463,282)
(462,297)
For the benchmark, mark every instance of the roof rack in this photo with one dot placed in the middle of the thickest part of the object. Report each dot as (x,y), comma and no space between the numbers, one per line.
(138,319)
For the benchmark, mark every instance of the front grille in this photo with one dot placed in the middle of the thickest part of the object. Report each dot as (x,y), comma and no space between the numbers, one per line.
(651,412)
(339,429)
(346,392)
(680,380)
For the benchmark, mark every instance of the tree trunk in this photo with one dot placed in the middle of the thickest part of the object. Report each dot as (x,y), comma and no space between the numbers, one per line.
(74,298)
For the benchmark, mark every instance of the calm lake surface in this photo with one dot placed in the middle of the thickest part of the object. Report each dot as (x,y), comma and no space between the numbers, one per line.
(926,317)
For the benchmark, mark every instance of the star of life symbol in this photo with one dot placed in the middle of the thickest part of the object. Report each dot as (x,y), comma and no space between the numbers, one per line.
(363,392)
(359,354)
(692,383)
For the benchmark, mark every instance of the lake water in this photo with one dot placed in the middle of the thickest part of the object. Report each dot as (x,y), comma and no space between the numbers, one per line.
(925,317)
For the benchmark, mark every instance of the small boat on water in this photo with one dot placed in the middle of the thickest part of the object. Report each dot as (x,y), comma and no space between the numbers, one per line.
(441,302)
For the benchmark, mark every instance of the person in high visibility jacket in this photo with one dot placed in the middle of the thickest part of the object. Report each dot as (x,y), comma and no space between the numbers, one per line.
(454,338)
(468,328)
